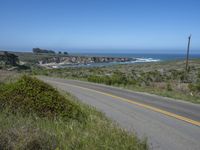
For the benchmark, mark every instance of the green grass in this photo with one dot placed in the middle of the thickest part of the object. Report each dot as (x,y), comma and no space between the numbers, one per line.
(25,128)
(31,96)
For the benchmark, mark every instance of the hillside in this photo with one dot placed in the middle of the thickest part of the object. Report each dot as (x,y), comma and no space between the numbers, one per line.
(34,115)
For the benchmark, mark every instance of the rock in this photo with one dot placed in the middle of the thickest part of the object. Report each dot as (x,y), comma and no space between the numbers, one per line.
(83,60)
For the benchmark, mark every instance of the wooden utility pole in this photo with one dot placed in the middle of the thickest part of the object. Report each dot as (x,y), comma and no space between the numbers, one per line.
(188,50)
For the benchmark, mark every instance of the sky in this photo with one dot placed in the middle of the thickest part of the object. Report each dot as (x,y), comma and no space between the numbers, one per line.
(100,26)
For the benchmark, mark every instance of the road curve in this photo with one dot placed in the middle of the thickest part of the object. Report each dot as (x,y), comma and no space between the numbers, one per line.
(168,124)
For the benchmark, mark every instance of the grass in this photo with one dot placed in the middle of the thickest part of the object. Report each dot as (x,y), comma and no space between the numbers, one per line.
(36,131)
(167,79)
(31,96)
(167,93)
(97,133)
(8,76)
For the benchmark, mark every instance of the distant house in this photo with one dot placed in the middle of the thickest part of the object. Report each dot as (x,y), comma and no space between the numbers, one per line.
(8,59)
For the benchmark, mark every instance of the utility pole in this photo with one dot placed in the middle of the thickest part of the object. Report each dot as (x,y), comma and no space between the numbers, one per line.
(188,50)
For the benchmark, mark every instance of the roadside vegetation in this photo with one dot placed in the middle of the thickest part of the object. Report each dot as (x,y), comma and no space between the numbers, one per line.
(34,115)
(8,76)
(166,78)
(162,78)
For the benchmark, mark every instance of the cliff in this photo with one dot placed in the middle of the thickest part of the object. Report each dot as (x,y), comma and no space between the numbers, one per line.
(83,60)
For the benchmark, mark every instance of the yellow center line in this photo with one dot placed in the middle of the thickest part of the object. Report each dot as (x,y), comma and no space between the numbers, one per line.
(197,123)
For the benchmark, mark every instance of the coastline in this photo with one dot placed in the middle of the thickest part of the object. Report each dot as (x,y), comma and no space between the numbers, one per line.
(119,61)
(122,59)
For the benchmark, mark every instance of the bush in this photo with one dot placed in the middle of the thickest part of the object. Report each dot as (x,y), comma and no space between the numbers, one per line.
(194,87)
(169,87)
(118,78)
(31,96)
(27,138)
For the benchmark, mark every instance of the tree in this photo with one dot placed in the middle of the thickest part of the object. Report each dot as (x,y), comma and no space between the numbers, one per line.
(9,59)
(66,53)
(38,50)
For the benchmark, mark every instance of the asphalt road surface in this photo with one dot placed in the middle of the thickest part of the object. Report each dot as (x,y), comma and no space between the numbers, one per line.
(168,124)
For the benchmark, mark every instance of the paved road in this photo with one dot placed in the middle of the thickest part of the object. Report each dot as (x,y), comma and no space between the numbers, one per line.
(168,124)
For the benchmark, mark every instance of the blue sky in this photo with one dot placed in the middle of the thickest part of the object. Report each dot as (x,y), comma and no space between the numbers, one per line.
(112,26)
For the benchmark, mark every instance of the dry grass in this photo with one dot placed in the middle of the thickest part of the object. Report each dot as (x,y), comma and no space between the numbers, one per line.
(8,76)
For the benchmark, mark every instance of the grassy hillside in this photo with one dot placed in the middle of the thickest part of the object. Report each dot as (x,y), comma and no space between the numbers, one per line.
(162,78)
(34,115)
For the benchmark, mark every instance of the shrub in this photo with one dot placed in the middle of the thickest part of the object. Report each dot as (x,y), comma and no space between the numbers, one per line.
(27,138)
(31,96)
(169,87)
(194,87)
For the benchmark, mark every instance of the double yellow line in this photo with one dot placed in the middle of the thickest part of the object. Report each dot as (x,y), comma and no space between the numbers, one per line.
(193,122)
